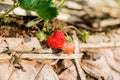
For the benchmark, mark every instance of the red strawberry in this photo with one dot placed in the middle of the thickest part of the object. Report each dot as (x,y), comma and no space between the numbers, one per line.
(68,47)
(56,40)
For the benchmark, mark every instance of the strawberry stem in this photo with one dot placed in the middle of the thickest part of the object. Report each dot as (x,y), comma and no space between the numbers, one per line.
(12,8)
(61,3)
(68,38)
(71,27)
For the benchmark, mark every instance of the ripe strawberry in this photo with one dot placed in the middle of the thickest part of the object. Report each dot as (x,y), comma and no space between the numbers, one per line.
(68,47)
(56,40)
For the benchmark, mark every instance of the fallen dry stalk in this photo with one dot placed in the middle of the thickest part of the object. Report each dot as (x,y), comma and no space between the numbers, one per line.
(78,61)
(43,56)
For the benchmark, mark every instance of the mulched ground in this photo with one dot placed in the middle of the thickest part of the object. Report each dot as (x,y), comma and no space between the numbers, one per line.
(14,26)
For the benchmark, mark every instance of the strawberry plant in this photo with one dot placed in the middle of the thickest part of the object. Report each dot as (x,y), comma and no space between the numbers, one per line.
(45,9)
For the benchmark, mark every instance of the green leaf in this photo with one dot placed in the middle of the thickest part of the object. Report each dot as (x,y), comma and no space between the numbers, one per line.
(44,8)
(48,13)
(26,4)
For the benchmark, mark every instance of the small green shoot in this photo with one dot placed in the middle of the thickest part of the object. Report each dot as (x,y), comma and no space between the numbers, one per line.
(41,35)
(83,35)
(68,39)
(5,22)
(108,28)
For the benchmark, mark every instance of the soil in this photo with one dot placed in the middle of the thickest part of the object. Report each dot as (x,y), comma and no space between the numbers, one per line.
(14,27)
